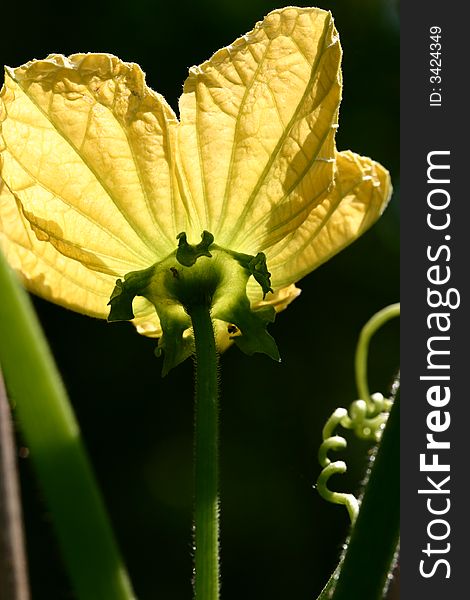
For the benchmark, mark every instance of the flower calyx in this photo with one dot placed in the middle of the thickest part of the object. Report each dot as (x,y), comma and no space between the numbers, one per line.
(200,274)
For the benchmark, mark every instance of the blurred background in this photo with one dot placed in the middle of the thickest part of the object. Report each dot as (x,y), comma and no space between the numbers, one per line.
(279,539)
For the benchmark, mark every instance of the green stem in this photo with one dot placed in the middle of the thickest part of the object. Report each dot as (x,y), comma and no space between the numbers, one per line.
(59,458)
(206,513)
(369,557)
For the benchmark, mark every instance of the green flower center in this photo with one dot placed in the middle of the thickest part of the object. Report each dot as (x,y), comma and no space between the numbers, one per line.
(194,275)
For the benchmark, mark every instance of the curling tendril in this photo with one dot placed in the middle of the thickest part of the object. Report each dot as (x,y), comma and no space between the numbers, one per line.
(366,417)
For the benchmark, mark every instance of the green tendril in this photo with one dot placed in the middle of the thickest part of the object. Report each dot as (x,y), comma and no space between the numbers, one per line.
(335,443)
(365,417)
(362,350)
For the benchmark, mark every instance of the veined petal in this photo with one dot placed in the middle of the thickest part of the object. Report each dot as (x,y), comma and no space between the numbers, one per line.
(256,138)
(48,273)
(360,194)
(44,270)
(88,189)
(88,152)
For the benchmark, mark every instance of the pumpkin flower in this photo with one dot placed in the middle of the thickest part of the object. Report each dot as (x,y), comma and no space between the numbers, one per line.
(113,206)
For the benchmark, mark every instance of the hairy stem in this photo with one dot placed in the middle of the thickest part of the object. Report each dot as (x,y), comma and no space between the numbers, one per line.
(52,434)
(206,512)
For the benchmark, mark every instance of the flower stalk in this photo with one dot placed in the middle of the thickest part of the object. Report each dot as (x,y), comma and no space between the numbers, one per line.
(193,285)
(206,441)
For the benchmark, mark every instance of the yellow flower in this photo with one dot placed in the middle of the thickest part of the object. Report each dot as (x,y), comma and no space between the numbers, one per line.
(98,175)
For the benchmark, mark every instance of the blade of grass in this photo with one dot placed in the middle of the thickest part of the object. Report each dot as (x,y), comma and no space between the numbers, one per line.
(52,434)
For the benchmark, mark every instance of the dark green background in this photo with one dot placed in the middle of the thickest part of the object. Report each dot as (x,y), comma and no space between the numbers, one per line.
(279,539)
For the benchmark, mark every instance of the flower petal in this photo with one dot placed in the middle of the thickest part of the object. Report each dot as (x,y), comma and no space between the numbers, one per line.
(44,270)
(279,299)
(146,319)
(88,151)
(256,138)
(361,192)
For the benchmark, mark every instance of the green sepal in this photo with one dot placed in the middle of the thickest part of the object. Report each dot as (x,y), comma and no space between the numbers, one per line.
(255,337)
(124,293)
(256,266)
(187,254)
(173,345)
(121,303)
(252,325)
(259,269)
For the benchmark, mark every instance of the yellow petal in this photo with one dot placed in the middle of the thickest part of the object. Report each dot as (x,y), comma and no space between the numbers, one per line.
(88,152)
(44,270)
(146,319)
(88,188)
(256,138)
(279,299)
(360,194)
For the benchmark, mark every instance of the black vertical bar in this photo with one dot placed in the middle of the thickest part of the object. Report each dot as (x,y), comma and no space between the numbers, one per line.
(435,203)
